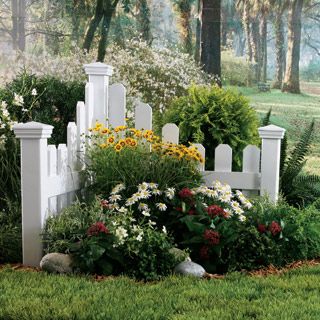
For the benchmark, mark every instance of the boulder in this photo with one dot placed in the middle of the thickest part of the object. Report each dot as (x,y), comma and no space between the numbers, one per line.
(56,263)
(189,268)
(179,255)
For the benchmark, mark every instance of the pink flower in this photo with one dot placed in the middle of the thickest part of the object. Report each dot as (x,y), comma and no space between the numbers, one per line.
(97,228)
(275,228)
(213,237)
(185,193)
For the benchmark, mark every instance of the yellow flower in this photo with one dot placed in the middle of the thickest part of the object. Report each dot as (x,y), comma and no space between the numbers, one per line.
(103,145)
(128,141)
(138,133)
(133,143)
(122,142)
(105,131)
(111,140)
(118,147)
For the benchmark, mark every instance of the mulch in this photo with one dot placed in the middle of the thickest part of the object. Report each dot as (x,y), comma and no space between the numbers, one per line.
(263,272)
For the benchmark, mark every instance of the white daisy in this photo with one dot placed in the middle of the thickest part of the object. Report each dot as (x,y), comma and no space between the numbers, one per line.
(114,197)
(164,230)
(161,206)
(145,213)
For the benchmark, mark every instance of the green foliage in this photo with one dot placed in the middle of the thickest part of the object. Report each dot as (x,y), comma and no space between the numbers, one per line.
(212,116)
(236,71)
(10,233)
(108,242)
(132,165)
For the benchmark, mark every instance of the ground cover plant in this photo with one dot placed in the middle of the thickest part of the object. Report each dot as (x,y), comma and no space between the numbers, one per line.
(30,295)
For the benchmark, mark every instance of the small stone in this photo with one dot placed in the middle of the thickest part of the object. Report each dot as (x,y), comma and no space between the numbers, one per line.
(179,255)
(56,263)
(189,268)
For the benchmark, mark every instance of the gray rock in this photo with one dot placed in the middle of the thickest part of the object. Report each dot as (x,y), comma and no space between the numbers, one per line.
(179,255)
(56,263)
(189,268)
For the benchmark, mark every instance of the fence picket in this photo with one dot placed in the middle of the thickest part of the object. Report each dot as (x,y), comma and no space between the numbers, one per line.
(143,116)
(81,131)
(170,133)
(62,163)
(89,101)
(251,163)
(117,105)
(72,145)
(52,171)
(223,158)
(202,151)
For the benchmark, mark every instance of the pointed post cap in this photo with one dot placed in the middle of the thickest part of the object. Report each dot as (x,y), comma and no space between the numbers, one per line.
(271,132)
(98,68)
(32,130)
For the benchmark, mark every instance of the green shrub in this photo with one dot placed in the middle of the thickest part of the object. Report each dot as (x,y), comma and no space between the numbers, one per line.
(110,241)
(122,155)
(213,116)
(236,71)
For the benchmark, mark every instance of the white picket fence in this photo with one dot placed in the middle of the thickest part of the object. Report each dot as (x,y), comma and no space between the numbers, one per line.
(50,176)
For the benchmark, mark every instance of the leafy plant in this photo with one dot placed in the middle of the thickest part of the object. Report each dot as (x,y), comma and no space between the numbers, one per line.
(212,116)
(122,155)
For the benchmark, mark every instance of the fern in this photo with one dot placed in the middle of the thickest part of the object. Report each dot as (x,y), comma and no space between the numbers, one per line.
(297,188)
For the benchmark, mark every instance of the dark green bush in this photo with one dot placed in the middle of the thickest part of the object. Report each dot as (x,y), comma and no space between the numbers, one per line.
(47,100)
(212,116)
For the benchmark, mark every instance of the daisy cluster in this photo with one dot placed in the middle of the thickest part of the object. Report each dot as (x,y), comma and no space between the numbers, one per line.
(233,203)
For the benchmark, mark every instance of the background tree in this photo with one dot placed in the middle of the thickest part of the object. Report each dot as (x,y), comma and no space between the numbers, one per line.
(291,80)
(210,55)
(143,20)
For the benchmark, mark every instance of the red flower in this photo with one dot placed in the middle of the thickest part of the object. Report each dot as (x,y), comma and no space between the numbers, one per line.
(97,228)
(262,228)
(214,211)
(178,209)
(213,237)
(104,203)
(192,212)
(275,228)
(185,193)
(204,253)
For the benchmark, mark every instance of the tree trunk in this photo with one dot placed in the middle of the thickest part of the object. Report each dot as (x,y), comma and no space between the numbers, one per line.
(21,25)
(184,20)
(246,28)
(14,18)
(211,36)
(291,81)
(93,25)
(280,50)
(224,28)
(143,19)
(255,45)
(198,34)
(108,11)
(263,48)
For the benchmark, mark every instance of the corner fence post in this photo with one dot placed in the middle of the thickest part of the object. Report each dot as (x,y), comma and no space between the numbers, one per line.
(99,74)
(270,160)
(34,196)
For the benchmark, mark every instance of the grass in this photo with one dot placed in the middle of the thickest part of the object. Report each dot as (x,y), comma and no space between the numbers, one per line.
(292,112)
(31,295)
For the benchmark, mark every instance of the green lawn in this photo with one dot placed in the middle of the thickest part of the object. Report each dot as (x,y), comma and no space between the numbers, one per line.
(29,295)
(292,112)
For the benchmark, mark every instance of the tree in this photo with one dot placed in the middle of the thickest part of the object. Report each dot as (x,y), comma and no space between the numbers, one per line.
(291,80)
(279,6)
(210,55)
(143,19)
(104,11)
(184,10)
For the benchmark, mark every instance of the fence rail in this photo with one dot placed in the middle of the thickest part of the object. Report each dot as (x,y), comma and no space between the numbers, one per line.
(50,176)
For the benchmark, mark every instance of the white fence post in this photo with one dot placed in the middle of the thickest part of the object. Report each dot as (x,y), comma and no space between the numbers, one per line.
(34,174)
(99,74)
(270,160)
